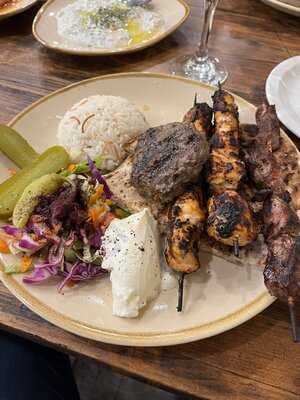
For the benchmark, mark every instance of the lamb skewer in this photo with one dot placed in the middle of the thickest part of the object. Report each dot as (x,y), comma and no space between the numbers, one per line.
(281,223)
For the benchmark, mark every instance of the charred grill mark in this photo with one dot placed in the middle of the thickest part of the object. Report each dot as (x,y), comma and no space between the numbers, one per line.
(224,102)
(202,114)
(228,213)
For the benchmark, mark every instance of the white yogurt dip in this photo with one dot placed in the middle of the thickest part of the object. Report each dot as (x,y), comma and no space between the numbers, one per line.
(132,254)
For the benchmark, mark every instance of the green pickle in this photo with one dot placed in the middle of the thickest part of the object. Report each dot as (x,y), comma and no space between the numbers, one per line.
(16,148)
(46,184)
(52,160)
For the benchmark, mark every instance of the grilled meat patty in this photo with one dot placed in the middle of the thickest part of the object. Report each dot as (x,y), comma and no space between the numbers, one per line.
(168,158)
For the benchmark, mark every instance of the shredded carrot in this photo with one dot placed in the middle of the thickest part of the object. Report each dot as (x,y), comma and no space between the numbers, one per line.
(107,219)
(4,247)
(12,171)
(71,167)
(26,262)
(96,213)
(95,196)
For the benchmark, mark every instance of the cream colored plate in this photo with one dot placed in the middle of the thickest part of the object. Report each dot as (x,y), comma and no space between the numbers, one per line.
(290,7)
(14,7)
(174,13)
(217,298)
(282,89)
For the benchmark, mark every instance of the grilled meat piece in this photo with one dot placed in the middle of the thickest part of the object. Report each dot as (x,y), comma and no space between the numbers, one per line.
(248,134)
(187,221)
(279,218)
(201,116)
(230,219)
(282,235)
(263,169)
(168,158)
(282,271)
(225,169)
(268,126)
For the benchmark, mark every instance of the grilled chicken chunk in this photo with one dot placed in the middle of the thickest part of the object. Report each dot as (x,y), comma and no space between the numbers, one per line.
(225,168)
(167,159)
(230,219)
(187,221)
(200,115)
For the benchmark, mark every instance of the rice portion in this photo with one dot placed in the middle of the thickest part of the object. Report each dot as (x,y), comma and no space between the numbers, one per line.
(99,126)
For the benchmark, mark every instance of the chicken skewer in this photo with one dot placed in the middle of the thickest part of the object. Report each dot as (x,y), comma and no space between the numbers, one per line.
(230,219)
(281,223)
(188,214)
(187,221)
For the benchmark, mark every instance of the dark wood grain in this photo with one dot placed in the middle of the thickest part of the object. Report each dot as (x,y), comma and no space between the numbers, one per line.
(256,361)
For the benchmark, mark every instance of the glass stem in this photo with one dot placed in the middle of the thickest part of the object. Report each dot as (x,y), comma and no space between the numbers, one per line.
(208,16)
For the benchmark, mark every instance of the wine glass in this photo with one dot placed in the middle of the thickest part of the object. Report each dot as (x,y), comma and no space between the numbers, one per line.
(200,66)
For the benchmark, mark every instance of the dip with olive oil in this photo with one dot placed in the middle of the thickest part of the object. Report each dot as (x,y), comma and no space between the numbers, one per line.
(108,24)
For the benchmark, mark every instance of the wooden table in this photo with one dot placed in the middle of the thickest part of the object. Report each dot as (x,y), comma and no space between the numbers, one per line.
(254,361)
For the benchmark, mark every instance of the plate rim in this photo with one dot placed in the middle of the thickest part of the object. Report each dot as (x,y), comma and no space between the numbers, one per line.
(288,7)
(71,325)
(107,52)
(17,10)
(272,88)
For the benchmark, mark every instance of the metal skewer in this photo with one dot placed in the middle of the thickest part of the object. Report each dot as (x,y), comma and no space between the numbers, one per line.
(195,99)
(180,291)
(295,330)
(236,247)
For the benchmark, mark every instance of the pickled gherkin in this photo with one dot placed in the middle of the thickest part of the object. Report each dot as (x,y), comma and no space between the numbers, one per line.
(52,160)
(16,148)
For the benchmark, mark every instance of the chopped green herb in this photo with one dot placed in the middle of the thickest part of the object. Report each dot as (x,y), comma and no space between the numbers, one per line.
(114,17)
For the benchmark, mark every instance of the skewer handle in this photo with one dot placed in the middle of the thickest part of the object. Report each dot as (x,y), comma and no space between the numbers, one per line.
(180,292)
(295,330)
(236,248)
(195,99)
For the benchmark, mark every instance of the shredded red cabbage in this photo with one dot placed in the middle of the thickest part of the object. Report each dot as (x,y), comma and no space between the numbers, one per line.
(99,177)
(12,230)
(80,271)
(95,240)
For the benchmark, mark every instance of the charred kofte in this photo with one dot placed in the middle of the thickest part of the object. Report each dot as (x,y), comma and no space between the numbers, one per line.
(167,159)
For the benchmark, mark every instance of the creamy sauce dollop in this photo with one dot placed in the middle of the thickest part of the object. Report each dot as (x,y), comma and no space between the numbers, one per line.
(132,254)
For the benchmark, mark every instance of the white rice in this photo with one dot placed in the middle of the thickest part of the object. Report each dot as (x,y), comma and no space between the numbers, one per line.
(70,24)
(100,126)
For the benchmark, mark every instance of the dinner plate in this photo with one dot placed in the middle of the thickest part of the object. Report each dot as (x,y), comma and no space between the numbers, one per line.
(289,6)
(14,7)
(174,13)
(220,296)
(282,89)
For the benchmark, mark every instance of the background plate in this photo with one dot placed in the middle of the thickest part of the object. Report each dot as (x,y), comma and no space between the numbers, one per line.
(15,7)
(284,7)
(174,12)
(282,89)
(218,297)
